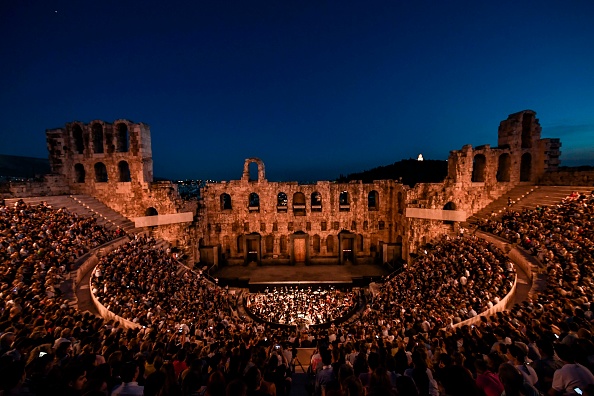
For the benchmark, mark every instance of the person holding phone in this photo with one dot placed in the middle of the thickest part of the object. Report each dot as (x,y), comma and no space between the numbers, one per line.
(571,376)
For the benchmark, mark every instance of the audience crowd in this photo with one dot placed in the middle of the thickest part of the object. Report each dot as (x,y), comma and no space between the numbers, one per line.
(286,305)
(188,338)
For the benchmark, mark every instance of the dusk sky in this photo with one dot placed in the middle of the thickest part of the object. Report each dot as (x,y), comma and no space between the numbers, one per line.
(313,88)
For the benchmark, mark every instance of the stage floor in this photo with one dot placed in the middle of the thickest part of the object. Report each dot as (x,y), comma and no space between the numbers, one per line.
(301,273)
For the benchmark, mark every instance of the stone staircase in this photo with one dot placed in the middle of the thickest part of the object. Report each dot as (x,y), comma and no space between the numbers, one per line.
(105,213)
(83,205)
(524,196)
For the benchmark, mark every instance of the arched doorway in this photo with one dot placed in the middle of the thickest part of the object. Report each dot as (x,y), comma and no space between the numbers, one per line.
(346,247)
(151,212)
(300,244)
(503,167)
(79,173)
(97,138)
(526,167)
(479,165)
(253,248)
(100,172)
(449,206)
(122,138)
(77,136)
(124,171)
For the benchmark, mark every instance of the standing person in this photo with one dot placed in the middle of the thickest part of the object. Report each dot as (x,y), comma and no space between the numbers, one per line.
(326,375)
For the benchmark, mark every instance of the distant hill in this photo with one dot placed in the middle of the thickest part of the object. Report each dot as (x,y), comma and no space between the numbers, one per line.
(26,167)
(411,171)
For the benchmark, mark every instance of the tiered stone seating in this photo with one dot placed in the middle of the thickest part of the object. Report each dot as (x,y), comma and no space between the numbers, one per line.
(524,197)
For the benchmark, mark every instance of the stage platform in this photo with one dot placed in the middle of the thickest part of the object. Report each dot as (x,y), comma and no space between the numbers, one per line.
(258,278)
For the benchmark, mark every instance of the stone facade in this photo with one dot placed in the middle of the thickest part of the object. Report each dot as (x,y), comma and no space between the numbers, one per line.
(113,163)
(243,221)
(326,222)
(479,175)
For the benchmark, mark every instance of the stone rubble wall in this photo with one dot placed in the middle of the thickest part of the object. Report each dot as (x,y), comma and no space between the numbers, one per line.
(568,178)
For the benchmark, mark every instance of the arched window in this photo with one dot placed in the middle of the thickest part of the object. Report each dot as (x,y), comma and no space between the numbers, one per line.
(240,244)
(253,171)
(77,136)
(316,202)
(400,203)
(330,244)
(122,138)
(478,168)
(97,138)
(343,202)
(151,212)
(299,204)
(360,242)
(100,172)
(269,243)
(526,167)
(503,167)
(254,203)
(226,245)
(373,244)
(283,244)
(373,200)
(316,243)
(124,171)
(281,202)
(225,201)
(79,173)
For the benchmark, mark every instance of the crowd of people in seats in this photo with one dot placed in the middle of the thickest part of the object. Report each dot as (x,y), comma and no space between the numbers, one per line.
(140,283)
(290,306)
(405,342)
(39,245)
(457,280)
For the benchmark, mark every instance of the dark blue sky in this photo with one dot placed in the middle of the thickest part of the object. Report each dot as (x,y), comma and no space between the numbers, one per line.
(314,89)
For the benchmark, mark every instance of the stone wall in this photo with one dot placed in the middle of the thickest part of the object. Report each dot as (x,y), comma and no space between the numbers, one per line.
(479,175)
(245,220)
(113,163)
(299,226)
(50,185)
(568,178)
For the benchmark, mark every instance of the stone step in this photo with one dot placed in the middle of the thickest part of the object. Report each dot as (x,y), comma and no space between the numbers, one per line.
(525,197)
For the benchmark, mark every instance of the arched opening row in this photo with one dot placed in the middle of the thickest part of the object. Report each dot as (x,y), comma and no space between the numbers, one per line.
(100,139)
(504,165)
(101,174)
(271,244)
(299,202)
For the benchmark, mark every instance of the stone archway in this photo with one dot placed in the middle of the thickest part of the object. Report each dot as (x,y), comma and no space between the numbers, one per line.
(246,169)
(253,248)
(479,167)
(503,167)
(347,248)
(526,168)
(299,248)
